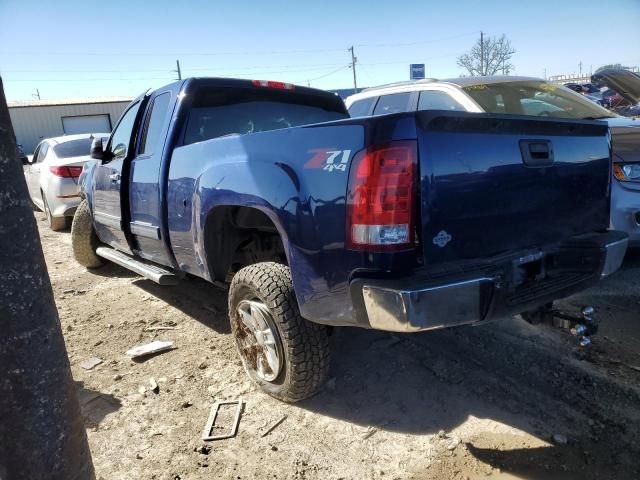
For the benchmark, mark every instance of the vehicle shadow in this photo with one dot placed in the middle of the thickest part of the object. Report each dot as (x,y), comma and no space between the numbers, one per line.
(504,372)
(194,297)
(95,405)
(533,463)
(112,270)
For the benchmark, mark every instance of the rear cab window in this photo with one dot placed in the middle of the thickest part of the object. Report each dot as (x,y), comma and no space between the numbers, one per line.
(221,111)
(393,103)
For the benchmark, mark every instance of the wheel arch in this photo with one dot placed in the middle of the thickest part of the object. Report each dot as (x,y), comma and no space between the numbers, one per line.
(228,227)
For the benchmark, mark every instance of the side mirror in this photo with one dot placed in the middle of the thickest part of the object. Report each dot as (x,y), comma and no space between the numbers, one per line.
(97,150)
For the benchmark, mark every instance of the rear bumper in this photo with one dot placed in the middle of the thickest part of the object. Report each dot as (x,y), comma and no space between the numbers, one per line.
(416,304)
(62,195)
(625,210)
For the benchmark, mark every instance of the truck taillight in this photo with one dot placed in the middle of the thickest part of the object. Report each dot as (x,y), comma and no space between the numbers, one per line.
(273,84)
(66,172)
(381,197)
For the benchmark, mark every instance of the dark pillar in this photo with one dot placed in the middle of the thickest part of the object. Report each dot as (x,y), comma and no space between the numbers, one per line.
(42,435)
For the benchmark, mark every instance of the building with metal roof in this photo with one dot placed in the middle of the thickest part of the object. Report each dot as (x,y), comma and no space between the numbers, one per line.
(35,120)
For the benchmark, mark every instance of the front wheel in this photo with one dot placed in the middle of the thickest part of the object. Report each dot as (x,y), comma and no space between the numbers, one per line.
(286,355)
(84,240)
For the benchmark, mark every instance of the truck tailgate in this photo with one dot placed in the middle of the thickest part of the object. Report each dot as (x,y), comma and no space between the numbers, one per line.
(494,184)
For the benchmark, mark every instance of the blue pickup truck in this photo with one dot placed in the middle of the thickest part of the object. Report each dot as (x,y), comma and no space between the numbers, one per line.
(403,222)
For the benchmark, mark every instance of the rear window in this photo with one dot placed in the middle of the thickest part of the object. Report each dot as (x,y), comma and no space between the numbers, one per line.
(361,108)
(534,97)
(73,148)
(437,100)
(217,111)
(393,103)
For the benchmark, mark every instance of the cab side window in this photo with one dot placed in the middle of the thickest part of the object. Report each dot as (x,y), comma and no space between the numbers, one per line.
(121,137)
(393,103)
(154,123)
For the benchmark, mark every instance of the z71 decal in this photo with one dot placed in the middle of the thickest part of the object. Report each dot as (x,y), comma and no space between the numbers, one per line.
(329,160)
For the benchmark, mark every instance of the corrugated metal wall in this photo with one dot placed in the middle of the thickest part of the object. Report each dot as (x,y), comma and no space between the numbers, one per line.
(32,124)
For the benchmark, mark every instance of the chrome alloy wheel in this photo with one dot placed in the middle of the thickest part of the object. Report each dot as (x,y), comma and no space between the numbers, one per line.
(258,340)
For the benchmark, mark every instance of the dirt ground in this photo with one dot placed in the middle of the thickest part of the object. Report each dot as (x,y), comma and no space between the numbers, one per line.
(507,400)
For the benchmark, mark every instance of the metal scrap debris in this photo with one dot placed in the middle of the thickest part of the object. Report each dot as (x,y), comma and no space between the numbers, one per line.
(154,385)
(149,348)
(91,363)
(206,434)
(274,426)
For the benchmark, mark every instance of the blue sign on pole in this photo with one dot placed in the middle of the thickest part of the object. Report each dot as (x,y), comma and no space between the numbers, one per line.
(416,71)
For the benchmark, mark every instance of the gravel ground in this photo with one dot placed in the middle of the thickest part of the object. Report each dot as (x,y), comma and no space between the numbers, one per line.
(506,400)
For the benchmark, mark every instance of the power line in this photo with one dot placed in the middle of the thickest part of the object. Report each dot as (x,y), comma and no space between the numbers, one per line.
(252,52)
(181,54)
(344,67)
(422,42)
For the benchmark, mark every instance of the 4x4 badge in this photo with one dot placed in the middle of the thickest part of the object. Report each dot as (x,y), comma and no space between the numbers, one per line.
(442,238)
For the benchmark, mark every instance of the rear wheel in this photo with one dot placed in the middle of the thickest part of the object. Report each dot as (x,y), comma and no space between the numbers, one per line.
(287,356)
(84,239)
(55,223)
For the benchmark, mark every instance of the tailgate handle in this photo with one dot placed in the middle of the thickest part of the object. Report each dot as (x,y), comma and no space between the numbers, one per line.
(536,153)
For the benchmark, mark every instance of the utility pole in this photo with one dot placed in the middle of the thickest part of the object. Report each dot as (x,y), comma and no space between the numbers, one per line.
(353,67)
(482,53)
(177,70)
(580,66)
(37,94)
(41,430)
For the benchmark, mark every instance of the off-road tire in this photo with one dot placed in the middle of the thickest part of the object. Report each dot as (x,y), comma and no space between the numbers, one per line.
(84,239)
(305,344)
(55,223)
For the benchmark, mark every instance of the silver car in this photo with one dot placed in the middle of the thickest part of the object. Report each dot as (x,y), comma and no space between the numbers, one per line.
(523,96)
(52,175)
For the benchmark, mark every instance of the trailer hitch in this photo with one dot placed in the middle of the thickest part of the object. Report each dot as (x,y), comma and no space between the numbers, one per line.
(582,326)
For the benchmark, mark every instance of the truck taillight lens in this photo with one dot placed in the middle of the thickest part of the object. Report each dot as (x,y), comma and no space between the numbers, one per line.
(381,197)
(66,172)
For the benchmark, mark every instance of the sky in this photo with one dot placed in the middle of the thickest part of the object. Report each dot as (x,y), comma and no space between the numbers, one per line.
(77,49)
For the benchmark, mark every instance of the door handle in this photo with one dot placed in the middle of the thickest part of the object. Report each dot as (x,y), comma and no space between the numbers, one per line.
(115,177)
(536,153)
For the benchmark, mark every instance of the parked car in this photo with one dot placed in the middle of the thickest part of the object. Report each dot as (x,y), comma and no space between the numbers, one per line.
(613,100)
(523,96)
(52,177)
(625,86)
(369,222)
(588,90)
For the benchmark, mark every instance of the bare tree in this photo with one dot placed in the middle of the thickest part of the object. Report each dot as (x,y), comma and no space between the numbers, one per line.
(490,55)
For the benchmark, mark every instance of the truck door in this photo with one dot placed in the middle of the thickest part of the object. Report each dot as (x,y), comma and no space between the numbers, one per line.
(147,185)
(110,188)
